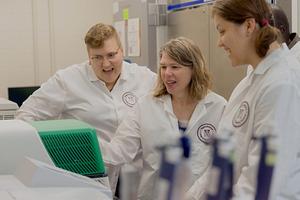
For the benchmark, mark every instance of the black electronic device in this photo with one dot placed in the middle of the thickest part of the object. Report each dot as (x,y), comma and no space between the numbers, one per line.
(20,94)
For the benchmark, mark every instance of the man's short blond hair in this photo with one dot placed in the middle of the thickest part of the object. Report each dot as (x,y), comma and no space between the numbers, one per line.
(99,33)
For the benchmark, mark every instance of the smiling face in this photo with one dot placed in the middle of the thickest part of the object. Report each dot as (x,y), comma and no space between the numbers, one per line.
(107,62)
(236,40)
(175,77)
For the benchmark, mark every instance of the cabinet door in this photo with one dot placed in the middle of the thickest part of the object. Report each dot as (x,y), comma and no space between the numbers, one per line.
(197,24)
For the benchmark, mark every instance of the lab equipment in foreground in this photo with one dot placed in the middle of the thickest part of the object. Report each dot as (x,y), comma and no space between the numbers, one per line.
(175,171)
(7,109)
(221,180)
(36,180)
(265,168)
(18,139)
(73,146)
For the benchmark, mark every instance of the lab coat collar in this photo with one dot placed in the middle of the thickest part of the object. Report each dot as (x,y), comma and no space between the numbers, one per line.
(167,104)
(210,98)
(125,73)
(168,108)
(270,59)
(167,101)
(90,72)
(295,49)
(200,110)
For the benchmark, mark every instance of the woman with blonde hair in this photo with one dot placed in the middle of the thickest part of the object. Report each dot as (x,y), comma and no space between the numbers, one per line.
(181,104)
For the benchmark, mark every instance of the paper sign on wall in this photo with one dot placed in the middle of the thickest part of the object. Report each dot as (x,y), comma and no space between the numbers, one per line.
(133,37)
(125,14)
(115,7)
(120,28)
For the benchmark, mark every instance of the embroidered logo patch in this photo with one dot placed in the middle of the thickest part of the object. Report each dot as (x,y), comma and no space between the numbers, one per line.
(206,133)
(241,115)
(129,99)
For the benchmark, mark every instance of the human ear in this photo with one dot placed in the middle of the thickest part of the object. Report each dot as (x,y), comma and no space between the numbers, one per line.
(250,25)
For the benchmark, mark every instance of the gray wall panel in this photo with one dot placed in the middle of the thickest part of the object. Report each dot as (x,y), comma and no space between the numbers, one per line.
(197,24)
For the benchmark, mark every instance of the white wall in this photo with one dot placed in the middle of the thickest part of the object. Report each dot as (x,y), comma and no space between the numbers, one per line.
(40,36)
(298,16)
(295,19)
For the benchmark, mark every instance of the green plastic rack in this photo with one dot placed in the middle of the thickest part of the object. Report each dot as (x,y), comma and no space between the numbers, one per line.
(72,145)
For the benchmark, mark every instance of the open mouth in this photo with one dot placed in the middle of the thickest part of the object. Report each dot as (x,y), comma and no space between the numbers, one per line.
(170,83)
(108,70)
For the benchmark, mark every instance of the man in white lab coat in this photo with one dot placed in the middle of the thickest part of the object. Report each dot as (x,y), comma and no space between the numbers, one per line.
(99,91)
(291,39)
(181,104)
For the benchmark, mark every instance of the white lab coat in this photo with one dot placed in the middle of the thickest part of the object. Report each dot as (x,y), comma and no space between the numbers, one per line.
(266,101)
(76,93)
(295,50)
(153,123)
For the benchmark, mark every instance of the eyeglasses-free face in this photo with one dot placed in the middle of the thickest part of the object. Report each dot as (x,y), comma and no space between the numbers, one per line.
(243,51)
(107,62)
(175,77)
